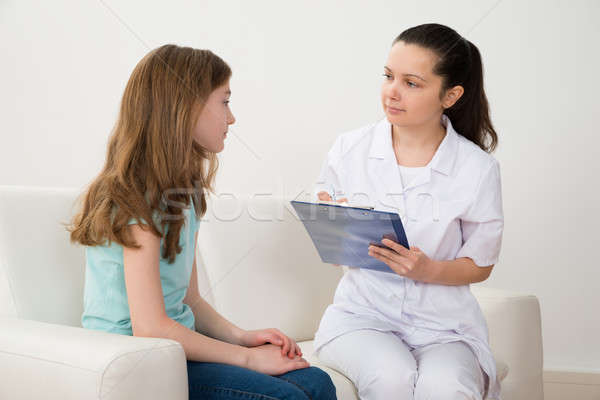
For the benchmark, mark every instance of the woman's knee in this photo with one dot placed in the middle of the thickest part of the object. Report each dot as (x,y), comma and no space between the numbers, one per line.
(447,387)
(387,384)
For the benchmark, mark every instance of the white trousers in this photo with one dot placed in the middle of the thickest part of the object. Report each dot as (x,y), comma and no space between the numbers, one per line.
(383,367)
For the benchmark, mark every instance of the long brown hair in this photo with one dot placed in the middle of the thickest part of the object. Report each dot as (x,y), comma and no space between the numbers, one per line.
(459,63)
(151,152)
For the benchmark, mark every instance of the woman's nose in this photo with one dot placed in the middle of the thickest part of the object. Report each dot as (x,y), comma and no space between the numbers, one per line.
(393,92)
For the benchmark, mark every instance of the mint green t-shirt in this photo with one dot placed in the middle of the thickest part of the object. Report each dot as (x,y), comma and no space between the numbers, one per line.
(105,295)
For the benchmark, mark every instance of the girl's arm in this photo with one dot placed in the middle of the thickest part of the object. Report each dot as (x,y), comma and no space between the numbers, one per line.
(147,307)
(149,317)
(209,321)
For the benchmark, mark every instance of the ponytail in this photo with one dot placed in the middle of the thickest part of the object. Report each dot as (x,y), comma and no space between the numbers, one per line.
(459,64)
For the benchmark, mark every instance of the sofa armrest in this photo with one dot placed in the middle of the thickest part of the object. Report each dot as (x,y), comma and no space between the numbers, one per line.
(515,331)
(48,361)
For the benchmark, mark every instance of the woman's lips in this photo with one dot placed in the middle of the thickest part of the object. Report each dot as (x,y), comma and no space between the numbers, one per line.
(393,110)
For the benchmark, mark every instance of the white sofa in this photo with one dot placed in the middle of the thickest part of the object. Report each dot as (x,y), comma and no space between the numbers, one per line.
(258,268)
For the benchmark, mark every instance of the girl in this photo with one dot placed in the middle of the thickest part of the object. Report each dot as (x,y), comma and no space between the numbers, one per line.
(419,332)
(139,221)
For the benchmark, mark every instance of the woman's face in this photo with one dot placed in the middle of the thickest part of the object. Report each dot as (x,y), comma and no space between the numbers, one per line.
(410,90)
(211,127)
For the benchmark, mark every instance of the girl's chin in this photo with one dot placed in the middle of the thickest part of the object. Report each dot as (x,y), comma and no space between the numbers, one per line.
(218,149)
(212,147)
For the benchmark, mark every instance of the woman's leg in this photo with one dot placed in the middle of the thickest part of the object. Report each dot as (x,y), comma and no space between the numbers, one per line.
(378,363)
(213,381)
(448,371)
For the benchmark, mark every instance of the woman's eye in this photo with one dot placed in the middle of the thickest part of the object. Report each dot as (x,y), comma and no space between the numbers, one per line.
(412,83)
(387,76)
(226,102)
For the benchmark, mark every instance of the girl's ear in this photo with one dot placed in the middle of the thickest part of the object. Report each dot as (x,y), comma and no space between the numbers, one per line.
(452,96)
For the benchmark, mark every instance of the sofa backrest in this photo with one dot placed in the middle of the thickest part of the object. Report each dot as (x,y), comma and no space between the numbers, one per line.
(43,273)
(263,269)
(257,264)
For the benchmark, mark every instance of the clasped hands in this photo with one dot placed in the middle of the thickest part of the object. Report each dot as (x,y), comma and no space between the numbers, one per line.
(272,336)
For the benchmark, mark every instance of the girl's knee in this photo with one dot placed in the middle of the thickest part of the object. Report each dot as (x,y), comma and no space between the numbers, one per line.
(323,388)
(315,383)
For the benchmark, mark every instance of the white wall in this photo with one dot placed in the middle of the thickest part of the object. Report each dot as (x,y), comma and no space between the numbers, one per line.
(305,72)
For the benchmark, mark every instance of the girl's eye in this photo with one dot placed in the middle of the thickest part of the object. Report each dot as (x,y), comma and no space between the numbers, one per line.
(226,102)
(412,83)
(387,76)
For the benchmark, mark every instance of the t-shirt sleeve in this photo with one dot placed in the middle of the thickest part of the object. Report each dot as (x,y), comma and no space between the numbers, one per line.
(156,217)
(189,214)
(134,221)
(483,223)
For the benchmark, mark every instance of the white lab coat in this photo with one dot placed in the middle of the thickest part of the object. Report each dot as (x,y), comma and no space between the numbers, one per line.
(452,209)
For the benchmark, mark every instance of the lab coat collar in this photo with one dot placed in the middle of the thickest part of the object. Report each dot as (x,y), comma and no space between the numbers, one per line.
(443,159)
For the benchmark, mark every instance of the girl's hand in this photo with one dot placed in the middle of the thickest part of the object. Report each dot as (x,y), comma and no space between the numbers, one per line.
(273,336)
(413,263)
(268,360)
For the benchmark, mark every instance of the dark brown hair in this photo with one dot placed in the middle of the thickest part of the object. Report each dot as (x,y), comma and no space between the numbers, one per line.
(459,63)
(152,153)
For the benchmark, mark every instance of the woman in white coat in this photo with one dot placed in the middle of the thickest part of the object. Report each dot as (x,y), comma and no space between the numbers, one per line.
(419,333)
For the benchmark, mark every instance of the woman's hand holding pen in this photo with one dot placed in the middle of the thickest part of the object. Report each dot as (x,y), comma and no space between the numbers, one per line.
(411,263)
(324,196)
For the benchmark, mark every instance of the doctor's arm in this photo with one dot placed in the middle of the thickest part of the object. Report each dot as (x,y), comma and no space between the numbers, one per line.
(414,264)
(461,271)
(481,228)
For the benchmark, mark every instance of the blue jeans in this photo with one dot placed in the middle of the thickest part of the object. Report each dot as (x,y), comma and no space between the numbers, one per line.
(212,381)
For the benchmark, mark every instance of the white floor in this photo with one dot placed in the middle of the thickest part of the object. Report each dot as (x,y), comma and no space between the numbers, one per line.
(564,385)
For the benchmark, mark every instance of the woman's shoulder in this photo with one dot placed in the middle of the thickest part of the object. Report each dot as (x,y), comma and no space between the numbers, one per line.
(352,140)
(477,172)
(473,157)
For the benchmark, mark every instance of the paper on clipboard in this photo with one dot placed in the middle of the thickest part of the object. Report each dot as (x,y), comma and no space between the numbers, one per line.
(342,234)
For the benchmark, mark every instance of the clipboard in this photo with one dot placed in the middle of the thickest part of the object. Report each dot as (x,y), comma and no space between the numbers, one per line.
(342,234)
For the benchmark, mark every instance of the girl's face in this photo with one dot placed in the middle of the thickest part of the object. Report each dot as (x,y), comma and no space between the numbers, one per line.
(211,127)
(410,90)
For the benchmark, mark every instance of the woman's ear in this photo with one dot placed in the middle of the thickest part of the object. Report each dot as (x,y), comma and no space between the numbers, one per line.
(452,96)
